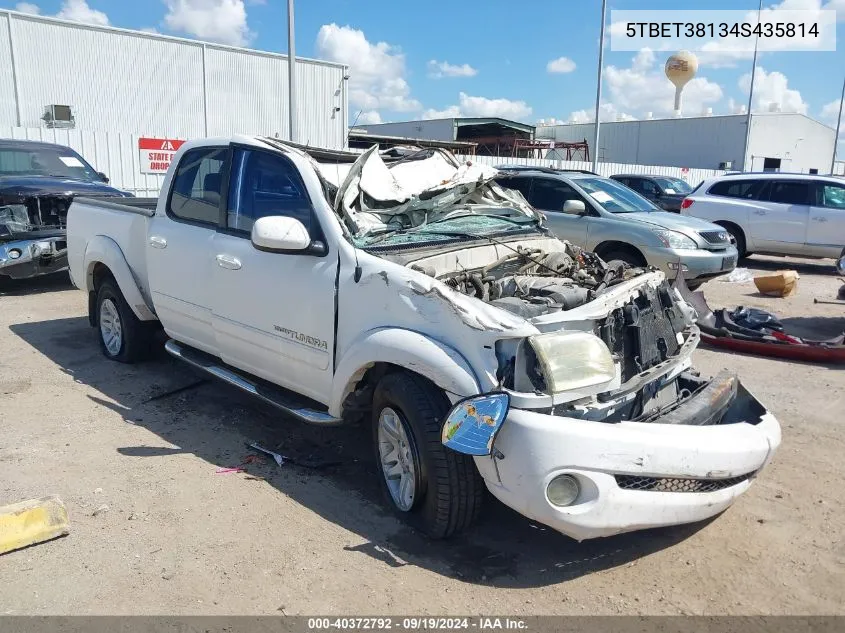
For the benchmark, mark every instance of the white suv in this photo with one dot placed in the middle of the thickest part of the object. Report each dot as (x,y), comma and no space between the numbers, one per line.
(781,214)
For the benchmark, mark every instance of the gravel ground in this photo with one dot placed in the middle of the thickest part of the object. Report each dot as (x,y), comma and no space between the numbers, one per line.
(155,530)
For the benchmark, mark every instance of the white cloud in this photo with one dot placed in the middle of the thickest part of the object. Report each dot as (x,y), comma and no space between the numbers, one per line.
(438,70)
(377,71)
(644,88)
(449,113)
(221,21)
(829,113)
(560,65)
(369,116)
(469,106)
(27,7)
(772,92)
(79,11)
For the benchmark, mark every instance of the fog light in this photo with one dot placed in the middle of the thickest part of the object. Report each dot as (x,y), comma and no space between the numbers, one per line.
(563,490)
(14,253)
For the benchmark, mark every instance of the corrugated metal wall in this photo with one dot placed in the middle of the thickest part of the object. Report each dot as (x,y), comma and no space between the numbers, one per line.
(432,129)
(126,81)
(691,142)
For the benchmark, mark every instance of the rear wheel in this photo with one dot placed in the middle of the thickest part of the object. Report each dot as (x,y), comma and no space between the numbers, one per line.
(123,337)
(435,489)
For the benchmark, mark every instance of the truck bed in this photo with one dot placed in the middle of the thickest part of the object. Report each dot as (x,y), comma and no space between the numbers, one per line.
(123,222)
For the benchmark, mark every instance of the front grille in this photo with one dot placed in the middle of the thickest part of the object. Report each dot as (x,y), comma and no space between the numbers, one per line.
(644,333)
(716,237)
(669,484)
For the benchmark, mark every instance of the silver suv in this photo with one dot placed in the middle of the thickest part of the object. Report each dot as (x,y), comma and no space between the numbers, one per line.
(604,216)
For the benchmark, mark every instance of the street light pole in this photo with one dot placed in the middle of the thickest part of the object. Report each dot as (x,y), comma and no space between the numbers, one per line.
(291,74)
(598,87)
(751,96)
(838,124)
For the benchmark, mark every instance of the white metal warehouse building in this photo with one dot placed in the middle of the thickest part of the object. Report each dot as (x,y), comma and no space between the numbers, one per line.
(779,142)
(98,89)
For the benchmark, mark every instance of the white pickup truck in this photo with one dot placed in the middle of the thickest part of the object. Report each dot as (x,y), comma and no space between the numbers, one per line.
(412,291)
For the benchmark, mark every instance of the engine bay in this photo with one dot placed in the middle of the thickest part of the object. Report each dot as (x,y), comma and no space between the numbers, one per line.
(531,282)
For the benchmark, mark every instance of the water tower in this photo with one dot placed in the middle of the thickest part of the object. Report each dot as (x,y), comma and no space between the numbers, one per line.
(680,69)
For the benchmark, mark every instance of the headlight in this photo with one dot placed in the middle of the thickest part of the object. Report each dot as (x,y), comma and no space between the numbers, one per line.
(14,253)
(673,239)
(573,360)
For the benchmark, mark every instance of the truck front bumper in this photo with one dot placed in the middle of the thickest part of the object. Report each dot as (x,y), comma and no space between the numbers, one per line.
(29,258)
(631,475)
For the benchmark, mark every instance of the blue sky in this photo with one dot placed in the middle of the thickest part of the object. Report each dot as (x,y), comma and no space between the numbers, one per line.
(441,58)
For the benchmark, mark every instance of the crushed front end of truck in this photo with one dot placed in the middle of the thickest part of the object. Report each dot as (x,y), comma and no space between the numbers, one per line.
(590,417)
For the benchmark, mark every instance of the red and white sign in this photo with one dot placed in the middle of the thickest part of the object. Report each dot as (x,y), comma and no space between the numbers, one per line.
(155,154)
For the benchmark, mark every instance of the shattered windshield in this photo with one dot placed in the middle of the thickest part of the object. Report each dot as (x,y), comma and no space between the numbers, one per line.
(426,196)
(455,227)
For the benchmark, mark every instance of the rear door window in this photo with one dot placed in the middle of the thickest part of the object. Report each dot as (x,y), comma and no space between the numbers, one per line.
(198,186)
(790,192)
(549,194)
(746,189)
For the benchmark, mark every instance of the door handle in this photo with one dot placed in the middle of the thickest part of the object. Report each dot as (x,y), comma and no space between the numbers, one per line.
(158,242)
(759,212)
(820,218)
(228,262)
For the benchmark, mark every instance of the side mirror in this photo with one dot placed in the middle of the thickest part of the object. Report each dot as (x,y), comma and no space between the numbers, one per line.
(574,207)
(840,266)
(103,177)
(280,234)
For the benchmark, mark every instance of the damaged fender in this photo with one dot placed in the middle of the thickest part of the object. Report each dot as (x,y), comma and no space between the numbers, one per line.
(104,250)
(442,365)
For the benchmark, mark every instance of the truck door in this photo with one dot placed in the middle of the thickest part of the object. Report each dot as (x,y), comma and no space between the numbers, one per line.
(273,313)
(179,247)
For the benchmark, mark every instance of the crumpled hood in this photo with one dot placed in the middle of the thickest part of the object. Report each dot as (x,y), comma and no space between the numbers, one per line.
(689,226)
(45,185)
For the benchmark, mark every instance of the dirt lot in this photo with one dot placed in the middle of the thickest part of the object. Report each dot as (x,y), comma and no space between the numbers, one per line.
(155,530)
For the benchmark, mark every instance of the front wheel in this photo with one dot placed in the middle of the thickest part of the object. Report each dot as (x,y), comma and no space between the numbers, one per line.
(433,488)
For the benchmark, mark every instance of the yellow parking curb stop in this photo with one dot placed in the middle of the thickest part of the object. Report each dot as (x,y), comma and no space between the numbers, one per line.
(30,522)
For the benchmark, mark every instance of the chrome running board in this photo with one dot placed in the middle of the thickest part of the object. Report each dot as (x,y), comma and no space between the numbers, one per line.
(282,399)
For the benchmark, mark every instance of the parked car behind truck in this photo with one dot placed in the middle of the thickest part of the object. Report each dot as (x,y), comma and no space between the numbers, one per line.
(665,192)
(413,292)
(37,183)
(778,214)
(619,225)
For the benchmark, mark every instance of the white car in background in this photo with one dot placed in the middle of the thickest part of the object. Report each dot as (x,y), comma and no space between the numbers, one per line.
(780,214)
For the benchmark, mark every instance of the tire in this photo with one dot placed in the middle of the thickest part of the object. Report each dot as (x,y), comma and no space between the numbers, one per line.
(448,491)
(131,338)
(695,285)
(739,239)
(625,257)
